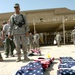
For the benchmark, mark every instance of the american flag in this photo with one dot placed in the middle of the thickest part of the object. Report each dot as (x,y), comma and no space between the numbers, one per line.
(66,67)
(66,64)
(66,59)
(66,72)
(33,68)
(36,51)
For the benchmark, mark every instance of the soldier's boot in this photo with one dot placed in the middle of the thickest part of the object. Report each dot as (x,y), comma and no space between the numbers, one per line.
(1,59)
(18,58)
(26,58)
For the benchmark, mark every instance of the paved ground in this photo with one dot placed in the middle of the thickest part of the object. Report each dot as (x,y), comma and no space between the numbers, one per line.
(9,66)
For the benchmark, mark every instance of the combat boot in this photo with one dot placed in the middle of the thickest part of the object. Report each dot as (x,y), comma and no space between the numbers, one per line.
(26,58)
(18,58)
(1,59)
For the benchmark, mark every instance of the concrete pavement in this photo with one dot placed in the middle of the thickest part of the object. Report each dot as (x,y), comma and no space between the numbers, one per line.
(9,66)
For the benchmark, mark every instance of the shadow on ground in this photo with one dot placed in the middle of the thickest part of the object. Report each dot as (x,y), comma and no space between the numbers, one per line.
(47,72)
(8,60)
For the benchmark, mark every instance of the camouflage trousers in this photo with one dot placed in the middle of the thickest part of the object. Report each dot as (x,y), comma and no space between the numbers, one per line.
(58,43)
(23,40)
(74,42)
(30,46)
(36,44)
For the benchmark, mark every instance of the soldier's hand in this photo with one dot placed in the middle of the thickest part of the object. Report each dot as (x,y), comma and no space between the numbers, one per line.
(2,37)
(26,34)
(9,36)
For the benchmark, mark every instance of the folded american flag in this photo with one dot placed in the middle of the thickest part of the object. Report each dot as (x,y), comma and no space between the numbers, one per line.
(66,65)
(66,72)
(33,68)
(66,59)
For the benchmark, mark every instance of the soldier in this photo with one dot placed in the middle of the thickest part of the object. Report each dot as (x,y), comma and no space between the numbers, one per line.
(30,44)
(1,41)
(1,33)
(31,38)
(58,39)
(36,40)
(9,45)
(1,59)
(19,28)
(73,35)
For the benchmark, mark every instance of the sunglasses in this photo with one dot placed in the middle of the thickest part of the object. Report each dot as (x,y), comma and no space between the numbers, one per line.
(16,7)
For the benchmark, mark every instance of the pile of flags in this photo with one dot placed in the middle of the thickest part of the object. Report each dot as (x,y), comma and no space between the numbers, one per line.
(35,52)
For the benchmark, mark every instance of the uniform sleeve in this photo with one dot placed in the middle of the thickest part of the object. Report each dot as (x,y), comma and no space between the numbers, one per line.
(26,25)
(38,36)
(4,28)
(72,33)
(11,25)
(0,34)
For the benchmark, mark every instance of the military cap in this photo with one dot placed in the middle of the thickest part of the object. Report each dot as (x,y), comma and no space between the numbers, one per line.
(16,5)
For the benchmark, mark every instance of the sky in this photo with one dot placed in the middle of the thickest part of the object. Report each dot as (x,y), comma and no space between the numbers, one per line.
(8,5)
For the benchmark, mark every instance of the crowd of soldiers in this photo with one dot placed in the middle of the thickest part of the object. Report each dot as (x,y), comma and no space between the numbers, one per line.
(15,33)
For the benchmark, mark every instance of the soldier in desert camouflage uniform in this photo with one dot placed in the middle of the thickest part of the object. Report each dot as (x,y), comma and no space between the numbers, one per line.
(19,28)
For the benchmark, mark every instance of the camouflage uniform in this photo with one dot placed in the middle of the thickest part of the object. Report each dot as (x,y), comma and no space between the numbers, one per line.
(31,38)
(19,32)
(58,39)
(73,36)
(36,40)
(9,45)
(30,42)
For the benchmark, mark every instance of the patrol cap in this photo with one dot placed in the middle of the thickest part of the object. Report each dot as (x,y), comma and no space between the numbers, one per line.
(16,5)
(4,22)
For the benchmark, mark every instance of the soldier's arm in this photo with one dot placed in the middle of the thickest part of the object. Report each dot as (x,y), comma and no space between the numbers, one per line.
(10,26)
(26,27)
(3,31)
(38,36)
(27,34)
